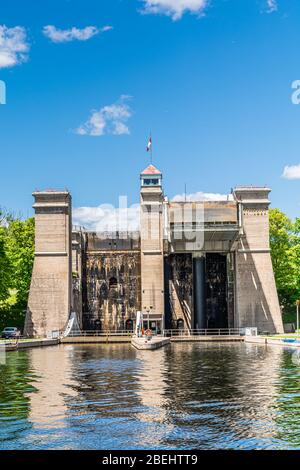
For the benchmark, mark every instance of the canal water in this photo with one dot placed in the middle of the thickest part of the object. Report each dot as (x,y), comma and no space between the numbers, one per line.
(205,396)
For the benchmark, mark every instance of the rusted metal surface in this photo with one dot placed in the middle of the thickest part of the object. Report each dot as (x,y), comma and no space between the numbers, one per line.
(112,289)
(180,289)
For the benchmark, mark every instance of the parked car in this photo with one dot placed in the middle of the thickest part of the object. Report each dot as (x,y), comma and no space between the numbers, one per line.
(10,332)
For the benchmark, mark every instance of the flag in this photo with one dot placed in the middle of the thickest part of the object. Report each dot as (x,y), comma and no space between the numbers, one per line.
(149,144)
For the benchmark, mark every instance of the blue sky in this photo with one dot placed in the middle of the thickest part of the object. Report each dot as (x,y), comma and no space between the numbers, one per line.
(211,79)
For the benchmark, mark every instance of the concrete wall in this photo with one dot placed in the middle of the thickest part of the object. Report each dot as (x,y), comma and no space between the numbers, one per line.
(50,294)
(256,295)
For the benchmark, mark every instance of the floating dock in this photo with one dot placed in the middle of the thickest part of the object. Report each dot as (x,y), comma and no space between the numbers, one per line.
(155,342)
(293,343)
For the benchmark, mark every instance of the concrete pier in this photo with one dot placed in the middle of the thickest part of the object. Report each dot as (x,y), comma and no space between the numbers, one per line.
(30,343)
(104,339)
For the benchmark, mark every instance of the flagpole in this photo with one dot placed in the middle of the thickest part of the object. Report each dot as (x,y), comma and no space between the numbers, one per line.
(149,147)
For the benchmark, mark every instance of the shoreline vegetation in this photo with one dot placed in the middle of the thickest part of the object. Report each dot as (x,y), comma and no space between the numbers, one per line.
(16,262)
(17,255)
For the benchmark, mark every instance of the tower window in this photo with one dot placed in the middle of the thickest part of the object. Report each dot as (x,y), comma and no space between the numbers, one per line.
(151,182)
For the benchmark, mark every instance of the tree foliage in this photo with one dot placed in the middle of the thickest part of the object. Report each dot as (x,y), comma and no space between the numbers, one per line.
(285,253)
(16,261)
(5,267)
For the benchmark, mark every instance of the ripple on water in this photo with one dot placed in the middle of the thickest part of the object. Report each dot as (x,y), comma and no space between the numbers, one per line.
(207,396)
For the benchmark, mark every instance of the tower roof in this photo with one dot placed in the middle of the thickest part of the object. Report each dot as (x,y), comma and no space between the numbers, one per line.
(151,170)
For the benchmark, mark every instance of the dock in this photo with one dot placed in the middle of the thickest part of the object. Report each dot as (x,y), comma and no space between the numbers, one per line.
(8,346)
(205,338)
(273,341)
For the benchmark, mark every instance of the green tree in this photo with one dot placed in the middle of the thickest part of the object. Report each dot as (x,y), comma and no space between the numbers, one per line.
(5,267)
(20,251)
(285,253)
(16,261)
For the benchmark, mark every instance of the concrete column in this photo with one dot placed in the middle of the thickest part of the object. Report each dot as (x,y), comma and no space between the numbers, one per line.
(78,247)
(49,302)
(256,296)
(152,255)
(199,292)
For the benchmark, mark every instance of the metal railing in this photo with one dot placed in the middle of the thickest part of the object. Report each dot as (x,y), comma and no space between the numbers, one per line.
(103,333)
(172,332)
(207,332)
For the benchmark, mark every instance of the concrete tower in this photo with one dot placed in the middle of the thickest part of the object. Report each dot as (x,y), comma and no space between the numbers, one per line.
(152,258)
(256,295)
(49,301)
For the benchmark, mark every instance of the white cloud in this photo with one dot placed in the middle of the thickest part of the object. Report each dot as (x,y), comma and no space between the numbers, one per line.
(67,35)
(111,119)
(106,218)
(291,172)
(174,8)
(13,46)
(200,196)
(272,5)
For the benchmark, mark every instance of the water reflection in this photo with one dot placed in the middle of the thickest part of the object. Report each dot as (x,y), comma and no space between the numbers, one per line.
(16,380)
(153,393)
(287,404)
(228,395)
(48,406)
(182,396)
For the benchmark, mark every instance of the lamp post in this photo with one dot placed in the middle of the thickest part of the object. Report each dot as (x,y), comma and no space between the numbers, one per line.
(297,307)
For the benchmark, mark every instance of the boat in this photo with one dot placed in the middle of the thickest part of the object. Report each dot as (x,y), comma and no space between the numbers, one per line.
(146,337)
(291,341)
(142,342)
